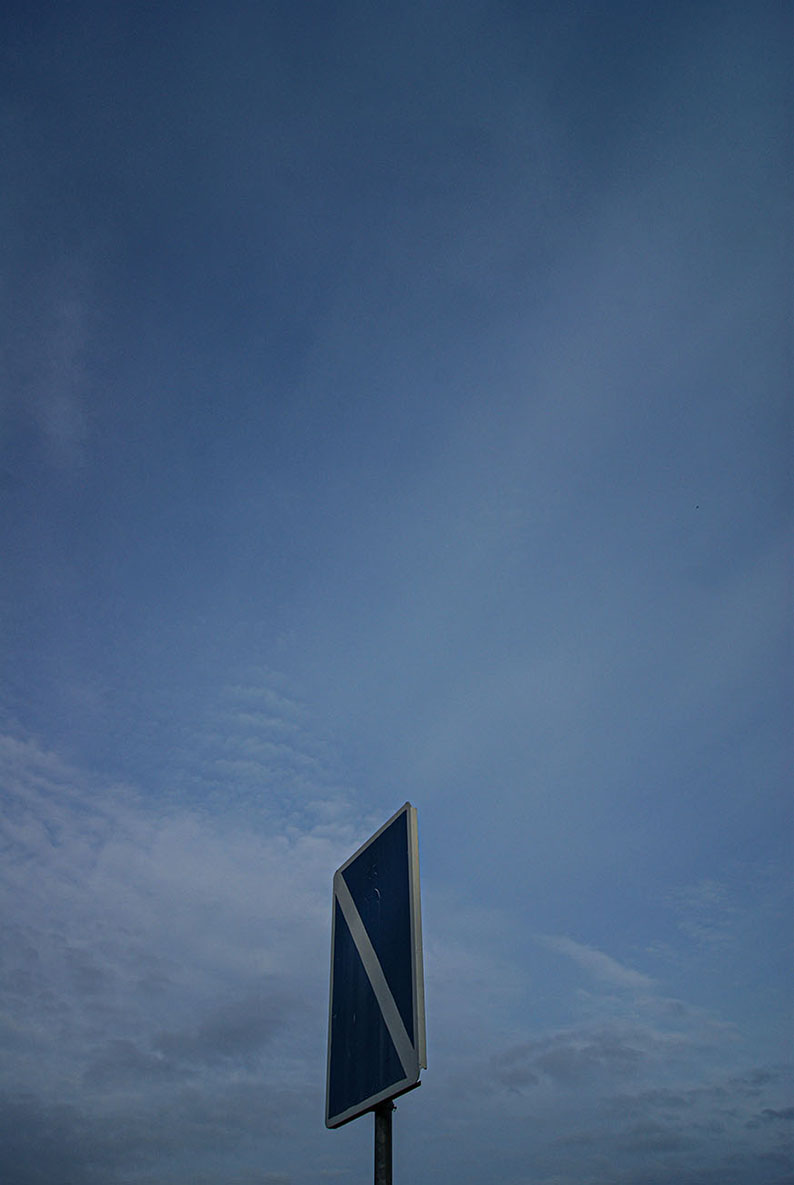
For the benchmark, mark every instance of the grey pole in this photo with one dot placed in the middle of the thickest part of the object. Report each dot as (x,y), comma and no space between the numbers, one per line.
(383,1143)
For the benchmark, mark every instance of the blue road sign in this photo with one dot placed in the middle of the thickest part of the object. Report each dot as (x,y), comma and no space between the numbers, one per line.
(376,1021)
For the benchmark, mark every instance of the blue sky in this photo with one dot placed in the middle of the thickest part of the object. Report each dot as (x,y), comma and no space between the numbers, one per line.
(396,405)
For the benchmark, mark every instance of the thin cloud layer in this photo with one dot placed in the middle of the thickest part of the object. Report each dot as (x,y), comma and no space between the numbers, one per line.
(173,979)
(601,965)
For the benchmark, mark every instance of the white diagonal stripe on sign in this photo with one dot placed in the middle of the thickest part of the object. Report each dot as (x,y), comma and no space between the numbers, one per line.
(386,1003)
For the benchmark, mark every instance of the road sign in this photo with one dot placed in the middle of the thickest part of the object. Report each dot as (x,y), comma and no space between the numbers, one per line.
(376,1016)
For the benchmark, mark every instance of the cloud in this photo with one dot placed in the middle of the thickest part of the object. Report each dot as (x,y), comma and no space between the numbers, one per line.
(156,1141)
(122,1063)
(630,1046)
(653,1134)
(164,961)
(43,373)
(41,1142)
(771,1115)
(156,956)
(601,966)
(573,1058)
(707,913)
(237,1030)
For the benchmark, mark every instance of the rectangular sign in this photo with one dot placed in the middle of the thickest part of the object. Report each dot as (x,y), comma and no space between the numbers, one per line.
(376,1016)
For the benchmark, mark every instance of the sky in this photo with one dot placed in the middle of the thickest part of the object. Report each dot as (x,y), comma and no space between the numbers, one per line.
(395,405)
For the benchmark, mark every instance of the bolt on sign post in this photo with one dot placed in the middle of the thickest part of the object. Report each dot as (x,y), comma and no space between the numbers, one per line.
(376,1015)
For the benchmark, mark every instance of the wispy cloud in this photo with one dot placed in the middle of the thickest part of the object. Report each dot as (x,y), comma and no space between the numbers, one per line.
(43,367)
(707,913)
(598,964)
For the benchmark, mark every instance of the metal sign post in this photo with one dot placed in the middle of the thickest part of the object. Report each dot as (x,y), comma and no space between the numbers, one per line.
(383,1113)
(376,1013)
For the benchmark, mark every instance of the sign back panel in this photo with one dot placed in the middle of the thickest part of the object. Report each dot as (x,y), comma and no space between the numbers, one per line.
(376,1024)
